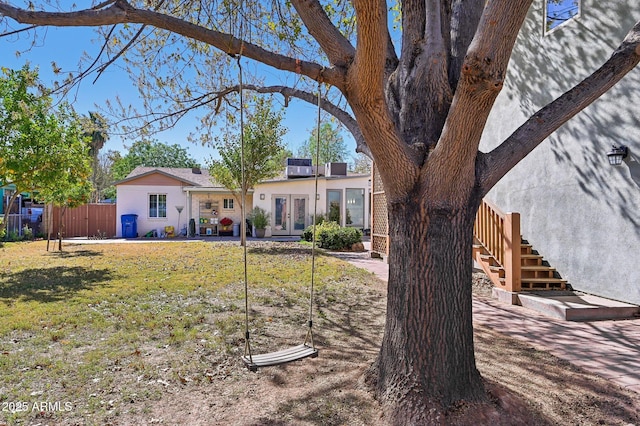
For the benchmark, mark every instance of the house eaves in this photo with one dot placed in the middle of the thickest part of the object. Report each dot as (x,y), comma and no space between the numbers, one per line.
(178,174)
(210,189)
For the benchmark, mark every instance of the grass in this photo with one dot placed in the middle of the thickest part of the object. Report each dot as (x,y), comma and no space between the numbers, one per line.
(100,327)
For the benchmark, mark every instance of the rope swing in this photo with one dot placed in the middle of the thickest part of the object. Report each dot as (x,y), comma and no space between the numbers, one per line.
(307,348)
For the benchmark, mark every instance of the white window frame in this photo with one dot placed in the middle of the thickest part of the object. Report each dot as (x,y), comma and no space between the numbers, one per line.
(228,204)
(157,207)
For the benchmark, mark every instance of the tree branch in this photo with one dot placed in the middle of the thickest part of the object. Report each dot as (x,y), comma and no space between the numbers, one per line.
(465,17)
(548,119)
(365,92)
(482,76)
(343,116)
(338,49)
(287,92)
(122,12)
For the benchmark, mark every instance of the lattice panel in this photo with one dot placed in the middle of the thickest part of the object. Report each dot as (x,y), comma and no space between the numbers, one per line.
(377,181)
(380,217)
(380,214)
(379,245)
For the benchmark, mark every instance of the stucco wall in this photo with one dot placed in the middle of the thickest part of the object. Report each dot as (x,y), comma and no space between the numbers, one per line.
(134,199)
(265,192)
(216,199)
(581,213)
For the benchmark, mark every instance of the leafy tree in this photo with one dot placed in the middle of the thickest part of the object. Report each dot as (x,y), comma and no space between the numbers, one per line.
(263,151)
(151,154)
(333,149)
(102,177)
(40,150)
(361,164)
(70,189)
(418,109)
(96,128)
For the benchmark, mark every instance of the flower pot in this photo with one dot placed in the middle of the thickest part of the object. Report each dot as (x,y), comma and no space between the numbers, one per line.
(260,233)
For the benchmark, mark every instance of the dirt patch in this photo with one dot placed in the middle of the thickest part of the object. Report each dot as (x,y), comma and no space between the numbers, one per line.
(157,338)
(527,386)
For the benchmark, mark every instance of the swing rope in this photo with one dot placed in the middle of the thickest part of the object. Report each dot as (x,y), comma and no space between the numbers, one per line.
(306,349)
(309,337)
(243,224)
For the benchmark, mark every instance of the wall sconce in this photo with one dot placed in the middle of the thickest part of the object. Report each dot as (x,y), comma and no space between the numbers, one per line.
(617,154)
(262,196)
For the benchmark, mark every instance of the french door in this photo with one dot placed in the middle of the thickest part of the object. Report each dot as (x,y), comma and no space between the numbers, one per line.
(289,214)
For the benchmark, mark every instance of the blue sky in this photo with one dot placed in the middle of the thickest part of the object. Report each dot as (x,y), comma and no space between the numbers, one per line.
(65,47)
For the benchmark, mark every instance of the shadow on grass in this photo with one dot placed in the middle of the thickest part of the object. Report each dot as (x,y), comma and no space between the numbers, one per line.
(50,284)
(282,250)
(77,253)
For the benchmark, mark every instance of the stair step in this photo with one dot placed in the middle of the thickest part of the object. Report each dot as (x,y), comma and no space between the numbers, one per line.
(537,271)
(498,270)
(530,260)
(526,248)
(543,284)
(488,259)
(531,256)
(537,268)
(535,280)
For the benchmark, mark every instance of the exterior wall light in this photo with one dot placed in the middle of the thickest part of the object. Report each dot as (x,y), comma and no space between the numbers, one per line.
(617,154)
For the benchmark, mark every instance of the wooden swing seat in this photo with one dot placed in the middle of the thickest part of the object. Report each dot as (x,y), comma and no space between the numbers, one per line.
(280,357)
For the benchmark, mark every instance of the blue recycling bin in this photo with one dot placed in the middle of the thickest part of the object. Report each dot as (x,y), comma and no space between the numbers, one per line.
(129,225)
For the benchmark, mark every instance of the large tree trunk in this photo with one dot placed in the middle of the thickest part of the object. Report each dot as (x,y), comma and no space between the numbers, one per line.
(426,362)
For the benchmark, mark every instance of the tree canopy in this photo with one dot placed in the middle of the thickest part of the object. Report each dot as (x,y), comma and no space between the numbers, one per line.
(417,105)
(96,130)
(151,154)
(41,149)
(333,149)
(263,149)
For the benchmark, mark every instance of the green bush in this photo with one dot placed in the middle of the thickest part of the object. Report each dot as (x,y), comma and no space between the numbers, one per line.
(333,237)
(259,217)
(27,233)
(13,236)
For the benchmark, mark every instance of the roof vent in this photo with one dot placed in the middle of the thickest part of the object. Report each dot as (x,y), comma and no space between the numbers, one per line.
(298,167)
(196,170)
(336,169)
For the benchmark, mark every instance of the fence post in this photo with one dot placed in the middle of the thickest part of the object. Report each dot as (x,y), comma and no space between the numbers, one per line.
(512,251)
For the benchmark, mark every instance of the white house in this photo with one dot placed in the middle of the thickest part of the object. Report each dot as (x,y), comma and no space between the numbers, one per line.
(162,198)
(342,197)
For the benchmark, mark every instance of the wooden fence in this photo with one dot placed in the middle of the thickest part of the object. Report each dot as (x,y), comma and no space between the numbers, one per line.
(90,220)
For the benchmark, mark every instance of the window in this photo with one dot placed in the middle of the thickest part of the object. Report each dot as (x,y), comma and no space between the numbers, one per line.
(227,204)
(157,205)
(334,198)
(558,12)
(355,207)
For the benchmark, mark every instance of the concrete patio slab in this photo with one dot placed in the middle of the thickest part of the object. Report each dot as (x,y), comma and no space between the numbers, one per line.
(578,307)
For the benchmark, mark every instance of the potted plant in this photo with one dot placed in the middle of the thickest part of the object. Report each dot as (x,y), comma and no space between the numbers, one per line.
(260,220)
(226,223)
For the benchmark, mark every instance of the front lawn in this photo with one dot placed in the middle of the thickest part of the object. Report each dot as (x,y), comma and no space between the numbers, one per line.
(102,333)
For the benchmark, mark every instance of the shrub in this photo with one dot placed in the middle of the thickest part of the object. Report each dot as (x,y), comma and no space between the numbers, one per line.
(333,237)
(259,217)
(13,236)
(27,233)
